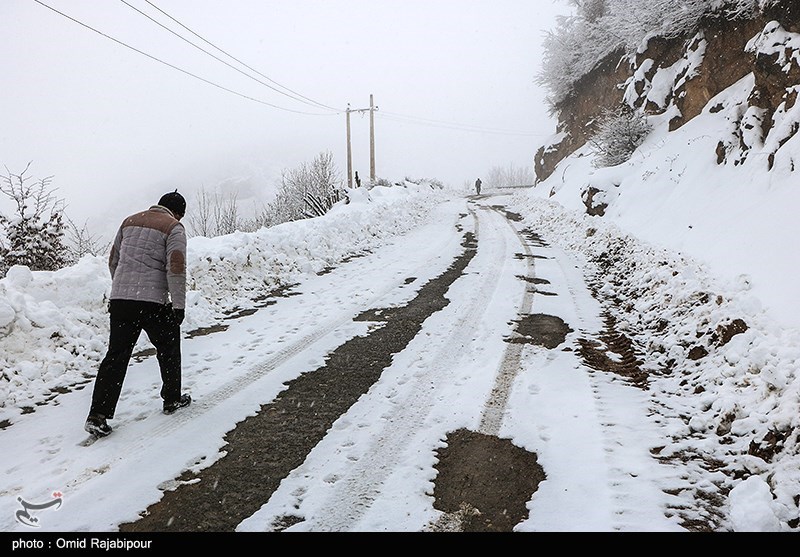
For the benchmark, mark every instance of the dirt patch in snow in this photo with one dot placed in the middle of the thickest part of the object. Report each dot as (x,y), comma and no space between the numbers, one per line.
(484,483)
(540,329)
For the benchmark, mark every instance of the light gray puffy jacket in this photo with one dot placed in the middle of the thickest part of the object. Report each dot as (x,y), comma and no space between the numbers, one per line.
(148,259)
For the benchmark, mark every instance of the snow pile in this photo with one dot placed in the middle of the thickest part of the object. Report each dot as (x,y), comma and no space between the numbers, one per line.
(230,272)
(54,325)
(774,40)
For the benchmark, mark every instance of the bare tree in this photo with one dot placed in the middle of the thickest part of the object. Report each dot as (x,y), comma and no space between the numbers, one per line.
(509,176)
(309,190)
(82,242)
(214,214)
(599,28)
(325,188)
(517,175)
(494,178)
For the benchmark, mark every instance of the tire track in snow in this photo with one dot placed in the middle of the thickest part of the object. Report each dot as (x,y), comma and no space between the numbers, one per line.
(353,494)
(495,407)
(626,486)
(265,448)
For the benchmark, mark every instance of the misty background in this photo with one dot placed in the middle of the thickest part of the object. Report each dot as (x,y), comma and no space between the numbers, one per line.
(100,95)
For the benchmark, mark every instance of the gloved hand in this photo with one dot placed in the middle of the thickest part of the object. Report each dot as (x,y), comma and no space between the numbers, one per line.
(179,315)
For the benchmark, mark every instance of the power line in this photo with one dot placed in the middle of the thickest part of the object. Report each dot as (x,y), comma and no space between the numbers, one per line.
(400,117)
(394,117)
(390,116)
(204,80)
(294,95)
(242,63)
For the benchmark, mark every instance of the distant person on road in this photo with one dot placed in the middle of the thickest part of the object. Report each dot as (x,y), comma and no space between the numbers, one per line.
(148,293)
(478,186)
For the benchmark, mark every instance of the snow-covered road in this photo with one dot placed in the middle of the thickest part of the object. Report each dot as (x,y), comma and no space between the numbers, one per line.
(375,468)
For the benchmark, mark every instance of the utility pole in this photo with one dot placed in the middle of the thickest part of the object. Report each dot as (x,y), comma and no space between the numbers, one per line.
(349,152)
(372,108)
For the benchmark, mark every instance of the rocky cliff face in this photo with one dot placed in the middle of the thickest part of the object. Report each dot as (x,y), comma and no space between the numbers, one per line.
(680,76)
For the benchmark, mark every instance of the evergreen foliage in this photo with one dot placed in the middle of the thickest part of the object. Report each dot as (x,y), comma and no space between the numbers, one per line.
(34,234)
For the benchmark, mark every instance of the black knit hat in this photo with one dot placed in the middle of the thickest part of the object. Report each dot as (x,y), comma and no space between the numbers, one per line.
(174,202)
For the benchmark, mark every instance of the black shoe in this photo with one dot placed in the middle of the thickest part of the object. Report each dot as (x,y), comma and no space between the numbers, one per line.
(97,425)
(170,407)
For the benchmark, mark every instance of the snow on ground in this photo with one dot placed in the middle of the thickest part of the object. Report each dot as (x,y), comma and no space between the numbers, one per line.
(54,325)
(686,249)
(698,246)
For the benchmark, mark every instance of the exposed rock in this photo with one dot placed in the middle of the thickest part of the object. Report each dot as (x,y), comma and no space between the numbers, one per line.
(697,352)
(700,67)
(595,92)
(769,446)
(592,208)
(726,332)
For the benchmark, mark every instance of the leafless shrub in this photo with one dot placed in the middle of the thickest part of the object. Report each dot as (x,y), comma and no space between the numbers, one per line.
(308,190)
(618,134)
(509,176)
(214,214)
(81,242)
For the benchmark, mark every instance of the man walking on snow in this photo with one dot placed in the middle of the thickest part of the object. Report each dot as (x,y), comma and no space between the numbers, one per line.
(148,293)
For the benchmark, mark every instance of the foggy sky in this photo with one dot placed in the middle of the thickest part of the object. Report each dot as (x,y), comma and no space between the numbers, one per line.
(116,128)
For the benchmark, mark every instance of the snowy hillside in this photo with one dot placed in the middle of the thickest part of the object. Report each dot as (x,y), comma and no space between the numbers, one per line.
(697,262)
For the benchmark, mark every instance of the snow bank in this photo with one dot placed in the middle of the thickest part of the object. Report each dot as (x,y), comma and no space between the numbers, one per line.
(699,260)
(727,392)
(54,325)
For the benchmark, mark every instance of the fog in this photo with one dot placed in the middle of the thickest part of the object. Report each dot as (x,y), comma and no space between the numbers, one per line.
(119,110)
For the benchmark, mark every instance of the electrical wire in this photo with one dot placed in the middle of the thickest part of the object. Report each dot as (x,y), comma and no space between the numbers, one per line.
(398,117)
(410,119)
(395,117)
(389,116)
(294,95)
(174,67)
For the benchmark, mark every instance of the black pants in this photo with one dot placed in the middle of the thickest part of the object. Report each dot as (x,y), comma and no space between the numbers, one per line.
(128,319)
